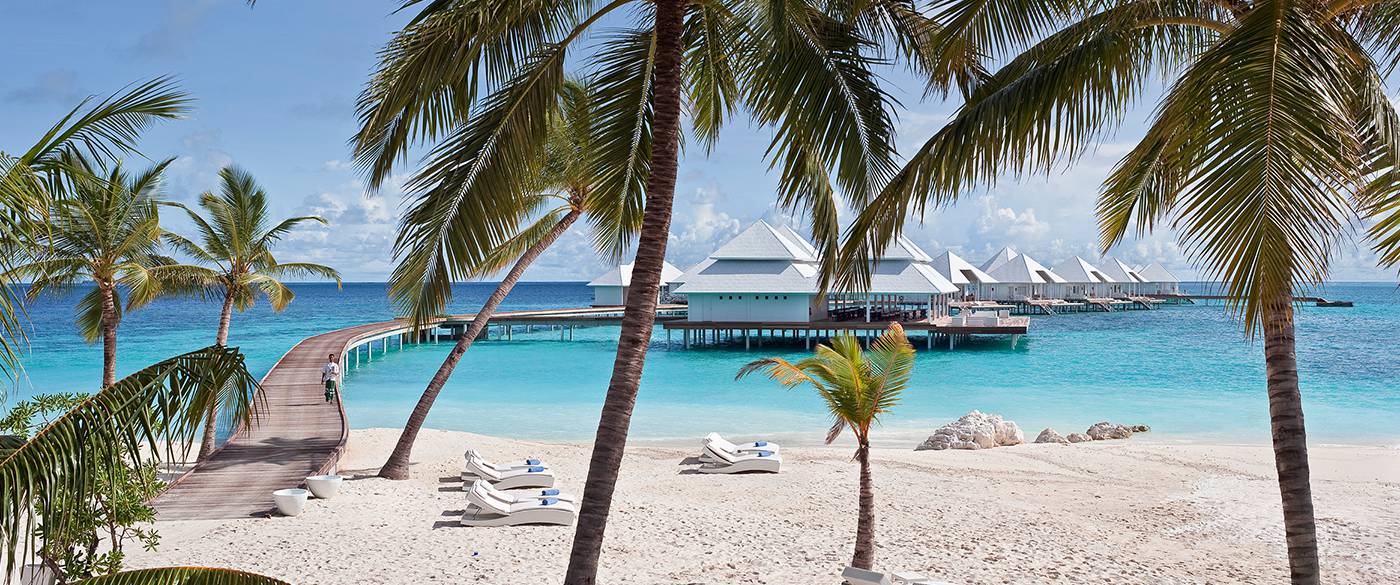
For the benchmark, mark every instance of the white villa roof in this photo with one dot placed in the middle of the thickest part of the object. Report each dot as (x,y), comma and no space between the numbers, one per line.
(1119,271)
(621,275)
(1001,257)
(959,271)
(799,239)
(1024,269)
(905,277)
(1077,269)
(1155,272)
(905,249)
(761,241)
(719,275)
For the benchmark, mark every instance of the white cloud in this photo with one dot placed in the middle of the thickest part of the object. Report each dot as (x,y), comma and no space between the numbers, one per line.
(699,228)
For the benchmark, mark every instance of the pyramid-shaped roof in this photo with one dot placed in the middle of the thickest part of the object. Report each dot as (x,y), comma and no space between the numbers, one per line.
(906,277)
(799,239)
(761,241)
(1155,272)
(621,275)
(959,271)
(1024,269)
(905,249)
(1119,271)
(1001,257)
(1077,269)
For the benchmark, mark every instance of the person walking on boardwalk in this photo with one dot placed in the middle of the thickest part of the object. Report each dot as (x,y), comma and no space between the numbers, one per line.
(330,376)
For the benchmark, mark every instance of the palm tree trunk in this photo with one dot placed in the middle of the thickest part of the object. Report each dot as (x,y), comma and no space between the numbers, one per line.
(211,417)
(396,467)
(109,334)
(640,314)
(864,557)
(1290,441)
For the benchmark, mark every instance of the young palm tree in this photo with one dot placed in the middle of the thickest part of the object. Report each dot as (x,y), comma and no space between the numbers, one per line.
(1274,136)
(237,240)
(566,187)
(801,66)
(152,414)
(858,387)
(30,180)
(106,228)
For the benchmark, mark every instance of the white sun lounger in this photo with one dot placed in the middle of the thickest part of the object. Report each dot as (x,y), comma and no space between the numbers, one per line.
(720,443)
(856,576)
(468,474)
(725,462)
(488,510)
(516,497)
(509,478)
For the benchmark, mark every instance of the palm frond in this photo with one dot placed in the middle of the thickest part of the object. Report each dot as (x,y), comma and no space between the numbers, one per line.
(152,414)
(711,82)
(1258,190)
(110,127)
(472,193)
(183,576)
(621,138)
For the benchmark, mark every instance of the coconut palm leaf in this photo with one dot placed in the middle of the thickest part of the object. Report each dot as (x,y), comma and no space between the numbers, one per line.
(109,128)
(183,576)
(621,138)
(712,87)
(152,414)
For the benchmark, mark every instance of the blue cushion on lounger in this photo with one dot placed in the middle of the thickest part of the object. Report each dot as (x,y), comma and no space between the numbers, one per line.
(550,492)
(548,502)
(765,453)
(535,469)
(760,443)
(532,461)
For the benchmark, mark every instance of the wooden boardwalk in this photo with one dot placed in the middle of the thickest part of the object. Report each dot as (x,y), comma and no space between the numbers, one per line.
(298,435)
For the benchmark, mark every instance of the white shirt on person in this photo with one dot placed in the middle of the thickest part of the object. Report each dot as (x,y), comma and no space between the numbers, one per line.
(330,371)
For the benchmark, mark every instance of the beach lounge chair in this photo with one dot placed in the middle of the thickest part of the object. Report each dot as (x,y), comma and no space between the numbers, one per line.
(516,497)
(725,462)
(720,443)
(488,510)
(516,464)
(856,576)
(507,478)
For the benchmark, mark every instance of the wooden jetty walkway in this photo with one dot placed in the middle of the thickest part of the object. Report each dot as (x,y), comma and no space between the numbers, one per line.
(299,434)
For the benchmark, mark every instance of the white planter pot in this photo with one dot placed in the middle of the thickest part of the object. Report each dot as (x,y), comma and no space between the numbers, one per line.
(290,501)
(324,486)
(36,575)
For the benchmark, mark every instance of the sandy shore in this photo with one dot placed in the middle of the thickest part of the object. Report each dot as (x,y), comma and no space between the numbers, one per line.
(1114,512)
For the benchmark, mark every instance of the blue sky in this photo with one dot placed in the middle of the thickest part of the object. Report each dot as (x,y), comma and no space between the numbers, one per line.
(276,88)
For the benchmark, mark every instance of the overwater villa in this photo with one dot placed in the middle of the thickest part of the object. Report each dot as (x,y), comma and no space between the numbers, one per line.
(1084,281)
(1127,282)
(1021,278)
(1160,281)
(610,288)
(1001,257)
(969,279)
(769,274)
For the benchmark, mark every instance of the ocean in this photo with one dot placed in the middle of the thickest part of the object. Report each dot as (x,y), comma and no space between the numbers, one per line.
(1187,371)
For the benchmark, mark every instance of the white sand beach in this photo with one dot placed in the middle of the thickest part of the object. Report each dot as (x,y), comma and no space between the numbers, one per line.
(1134,511)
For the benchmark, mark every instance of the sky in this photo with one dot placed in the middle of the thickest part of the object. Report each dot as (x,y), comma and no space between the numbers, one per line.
(275,89)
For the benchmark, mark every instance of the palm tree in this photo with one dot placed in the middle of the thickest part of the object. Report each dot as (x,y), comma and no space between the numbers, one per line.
(1275,134)
(237,240)
(566,187)
(150,415)
(30,180)
(802,67)
(858,387)
(105,229)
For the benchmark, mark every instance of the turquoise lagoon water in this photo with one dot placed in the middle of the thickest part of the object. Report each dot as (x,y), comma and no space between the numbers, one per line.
(1187,371)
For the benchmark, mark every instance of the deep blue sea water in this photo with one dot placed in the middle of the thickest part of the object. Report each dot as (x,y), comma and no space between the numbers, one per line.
(1187,371)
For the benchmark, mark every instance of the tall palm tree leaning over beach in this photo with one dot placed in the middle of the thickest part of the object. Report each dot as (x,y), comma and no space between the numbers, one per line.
(801,67)
(858,387)
(31,180)
(105,229)
(236,239)
(563,187)
(1274,136)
